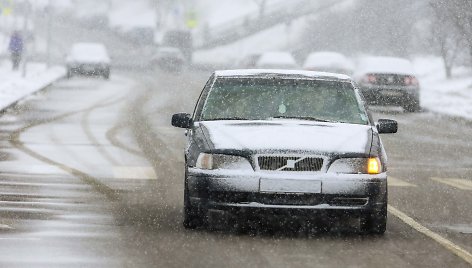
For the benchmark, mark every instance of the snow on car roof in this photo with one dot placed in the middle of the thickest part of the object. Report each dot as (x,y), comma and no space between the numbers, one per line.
(385,65)
(288,73)
(96,49)
(327,59)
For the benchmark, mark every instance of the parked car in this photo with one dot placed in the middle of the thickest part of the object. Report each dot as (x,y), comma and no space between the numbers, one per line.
(169,58)
(181,39)
(331,62)
(276,60)
(389,81)
(284,143)
(249,61)
(88,59)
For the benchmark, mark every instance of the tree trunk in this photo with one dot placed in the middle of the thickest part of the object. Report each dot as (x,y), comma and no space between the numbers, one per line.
(447,62)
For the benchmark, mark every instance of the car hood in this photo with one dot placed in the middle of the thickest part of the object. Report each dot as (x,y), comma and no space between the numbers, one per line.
(287,135)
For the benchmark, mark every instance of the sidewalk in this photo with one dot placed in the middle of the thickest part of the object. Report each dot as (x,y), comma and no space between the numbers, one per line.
(450,97)
(14,87)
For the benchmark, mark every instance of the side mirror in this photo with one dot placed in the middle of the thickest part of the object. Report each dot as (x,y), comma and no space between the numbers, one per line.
(182,120)
(386,126)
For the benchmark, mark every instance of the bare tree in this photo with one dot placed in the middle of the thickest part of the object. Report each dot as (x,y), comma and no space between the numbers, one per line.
(445,35)
(261,6)
(459,12)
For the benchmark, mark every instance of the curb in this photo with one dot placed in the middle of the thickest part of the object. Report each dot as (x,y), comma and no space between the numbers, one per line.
(43,86)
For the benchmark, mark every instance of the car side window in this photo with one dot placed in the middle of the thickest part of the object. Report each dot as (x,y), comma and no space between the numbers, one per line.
(202,98)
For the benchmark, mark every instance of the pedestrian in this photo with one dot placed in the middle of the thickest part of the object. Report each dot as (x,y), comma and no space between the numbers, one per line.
(16,49)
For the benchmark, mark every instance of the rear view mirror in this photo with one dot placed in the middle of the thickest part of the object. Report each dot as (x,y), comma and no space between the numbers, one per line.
(182,120)
(386,126)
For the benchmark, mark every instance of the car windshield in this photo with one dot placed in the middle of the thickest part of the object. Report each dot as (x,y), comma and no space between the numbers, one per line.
(268,98)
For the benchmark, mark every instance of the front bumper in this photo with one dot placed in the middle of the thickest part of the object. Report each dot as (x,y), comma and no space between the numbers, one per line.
(89,69)
(390,95)
(228,190)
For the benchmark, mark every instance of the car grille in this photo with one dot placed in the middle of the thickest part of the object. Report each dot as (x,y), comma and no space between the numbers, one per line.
(287,199)
(281,163)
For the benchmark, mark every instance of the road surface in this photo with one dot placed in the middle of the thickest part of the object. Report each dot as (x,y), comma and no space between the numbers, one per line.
(91,174)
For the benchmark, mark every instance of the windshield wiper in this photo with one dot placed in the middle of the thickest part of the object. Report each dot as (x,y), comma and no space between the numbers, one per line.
(304,118)
(226,118)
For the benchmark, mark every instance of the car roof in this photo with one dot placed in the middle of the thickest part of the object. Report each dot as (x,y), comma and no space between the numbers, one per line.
(89,45)
(328,59)
(385,65)
(282,74)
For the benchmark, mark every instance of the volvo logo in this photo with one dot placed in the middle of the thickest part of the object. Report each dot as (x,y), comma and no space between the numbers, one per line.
(290,163)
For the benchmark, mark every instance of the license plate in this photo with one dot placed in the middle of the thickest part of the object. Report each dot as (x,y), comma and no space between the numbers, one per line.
(89,68)
(290,186)
(391,93)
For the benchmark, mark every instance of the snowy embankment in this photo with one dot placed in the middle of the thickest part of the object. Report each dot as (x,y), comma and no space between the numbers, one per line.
(446,96)
(14,87)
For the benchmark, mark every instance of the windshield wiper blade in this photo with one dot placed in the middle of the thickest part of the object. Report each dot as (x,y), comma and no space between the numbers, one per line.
(304,118)
(226,118)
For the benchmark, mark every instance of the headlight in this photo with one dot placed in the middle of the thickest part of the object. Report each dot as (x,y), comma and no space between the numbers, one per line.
(356,166)
(222,161)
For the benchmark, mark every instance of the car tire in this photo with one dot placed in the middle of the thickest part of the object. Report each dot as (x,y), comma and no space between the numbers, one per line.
(69,73)
(193,216)
(106,74)
(375,222)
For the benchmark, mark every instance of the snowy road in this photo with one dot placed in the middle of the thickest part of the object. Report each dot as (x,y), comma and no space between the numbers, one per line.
(92,175)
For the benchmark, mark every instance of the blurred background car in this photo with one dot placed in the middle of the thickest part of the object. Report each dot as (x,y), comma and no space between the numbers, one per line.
(181,39)
(389,81)
(249,61)
(88,59)
(326,61)
(276,60)
(169,58)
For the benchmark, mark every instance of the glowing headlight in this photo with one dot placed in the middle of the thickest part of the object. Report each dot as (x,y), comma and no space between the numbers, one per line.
(222,161)
(356,166)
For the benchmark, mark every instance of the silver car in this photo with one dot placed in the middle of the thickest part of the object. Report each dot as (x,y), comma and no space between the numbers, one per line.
(284,143)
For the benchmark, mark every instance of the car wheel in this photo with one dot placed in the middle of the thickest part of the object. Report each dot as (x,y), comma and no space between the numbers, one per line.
(69,73)
(193,216)
(106,74)
(375,222)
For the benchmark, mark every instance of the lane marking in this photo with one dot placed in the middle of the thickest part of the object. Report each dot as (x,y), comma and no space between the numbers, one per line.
(457,250)
(136,173)
(392,181)
(456,183)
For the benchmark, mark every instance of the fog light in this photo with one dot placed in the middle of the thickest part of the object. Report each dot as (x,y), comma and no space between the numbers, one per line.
(373,166)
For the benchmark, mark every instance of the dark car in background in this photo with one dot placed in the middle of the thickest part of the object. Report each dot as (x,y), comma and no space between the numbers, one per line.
(88,59)
(274,142)
(169,59)
(249,61)
(181,39)
(389,81)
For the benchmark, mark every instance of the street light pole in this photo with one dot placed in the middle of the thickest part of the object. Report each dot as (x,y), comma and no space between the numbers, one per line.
(48,45)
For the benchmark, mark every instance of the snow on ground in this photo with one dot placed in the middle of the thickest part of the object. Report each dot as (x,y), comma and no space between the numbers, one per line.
(14,87)
(279,37)
(438,94)
(131,14)
(212,14)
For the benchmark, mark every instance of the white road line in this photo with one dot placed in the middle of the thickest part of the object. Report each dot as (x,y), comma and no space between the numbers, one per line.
(457,183)
(457,250)
(135,173)
(392,181)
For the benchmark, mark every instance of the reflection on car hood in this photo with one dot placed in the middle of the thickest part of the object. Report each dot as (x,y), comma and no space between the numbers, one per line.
(289,135)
